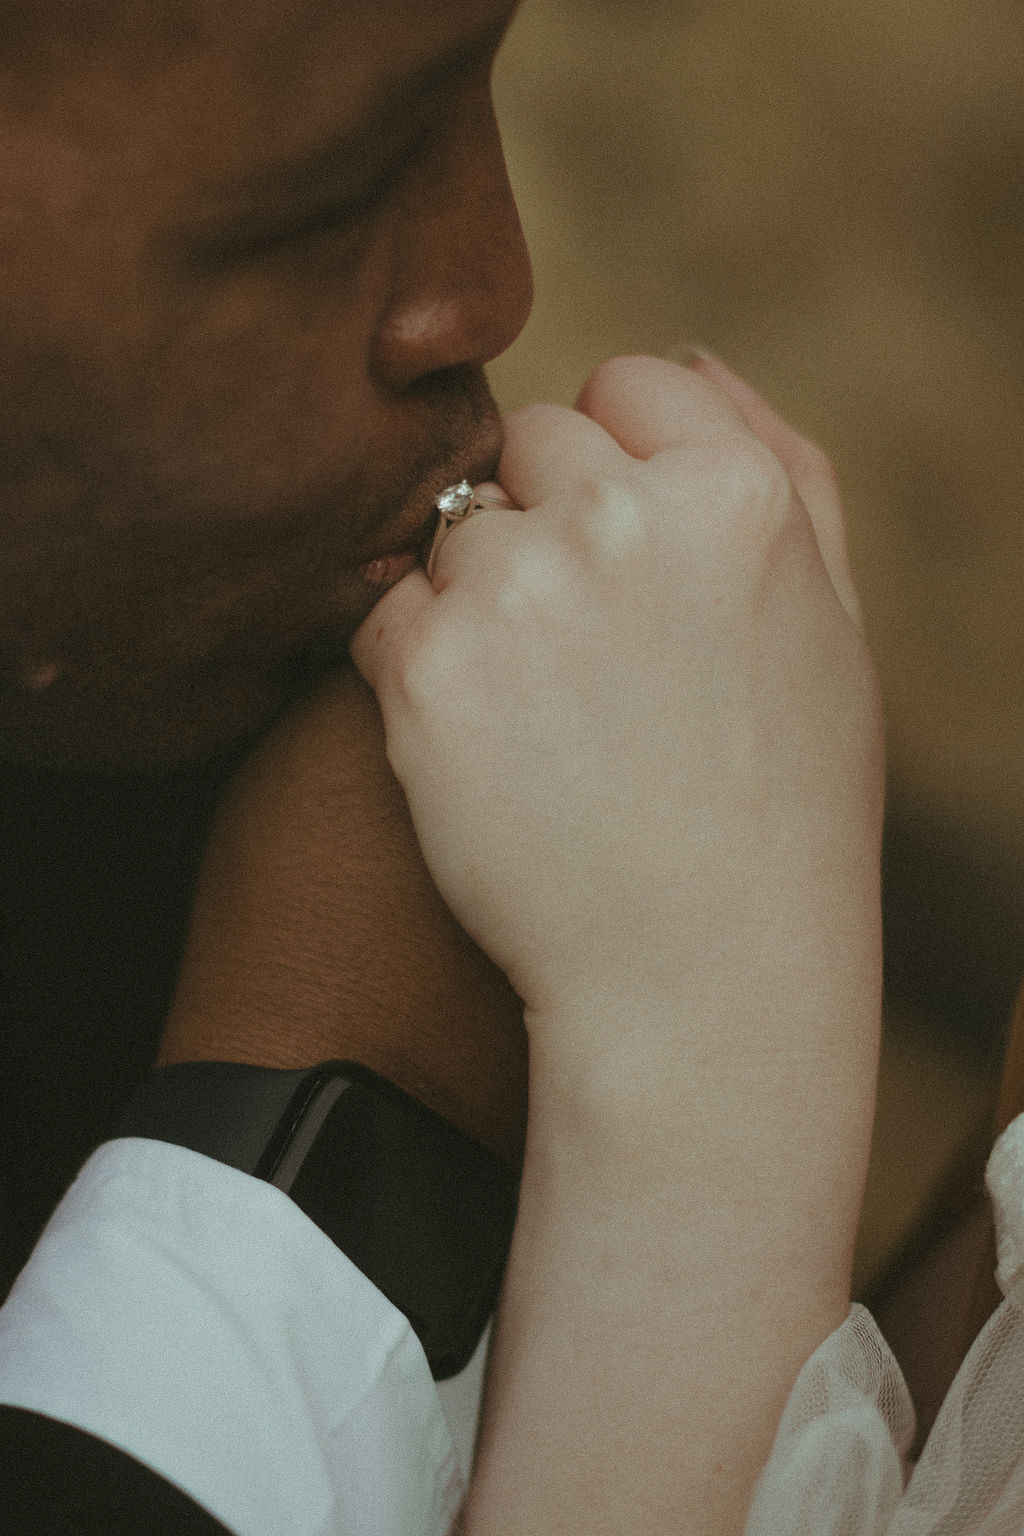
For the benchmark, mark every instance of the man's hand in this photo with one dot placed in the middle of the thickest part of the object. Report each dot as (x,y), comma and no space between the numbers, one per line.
(317,932)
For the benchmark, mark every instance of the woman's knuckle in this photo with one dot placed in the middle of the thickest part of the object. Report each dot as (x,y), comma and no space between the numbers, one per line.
(615,524)
(530,581)
(756,497)
(768,487)
(537,416)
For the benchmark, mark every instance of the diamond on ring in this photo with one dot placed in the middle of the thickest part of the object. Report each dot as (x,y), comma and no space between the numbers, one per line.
(455,504)
(455,500)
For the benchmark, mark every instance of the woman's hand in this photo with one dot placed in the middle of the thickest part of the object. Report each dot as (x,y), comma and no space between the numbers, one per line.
(637,722)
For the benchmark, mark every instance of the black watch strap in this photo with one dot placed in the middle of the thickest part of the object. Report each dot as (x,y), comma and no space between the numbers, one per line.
(424,1211)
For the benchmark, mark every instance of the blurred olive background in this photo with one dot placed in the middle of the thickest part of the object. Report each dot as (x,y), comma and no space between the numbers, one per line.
(830,194)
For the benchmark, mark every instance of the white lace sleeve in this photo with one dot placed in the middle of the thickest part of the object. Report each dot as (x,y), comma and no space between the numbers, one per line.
(838,1464)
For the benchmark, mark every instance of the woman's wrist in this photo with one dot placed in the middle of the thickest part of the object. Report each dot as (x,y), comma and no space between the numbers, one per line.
(759,1137)
(679,1293)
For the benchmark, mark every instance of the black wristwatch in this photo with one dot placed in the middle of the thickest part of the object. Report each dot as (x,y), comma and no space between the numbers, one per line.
(424,1211)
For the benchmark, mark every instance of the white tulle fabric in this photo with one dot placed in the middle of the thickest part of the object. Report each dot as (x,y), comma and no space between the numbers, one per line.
(838,1466)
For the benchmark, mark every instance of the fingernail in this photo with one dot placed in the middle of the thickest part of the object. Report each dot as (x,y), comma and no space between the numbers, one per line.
(693,353)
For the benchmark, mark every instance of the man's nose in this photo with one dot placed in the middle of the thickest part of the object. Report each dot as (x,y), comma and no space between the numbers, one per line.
(463,284)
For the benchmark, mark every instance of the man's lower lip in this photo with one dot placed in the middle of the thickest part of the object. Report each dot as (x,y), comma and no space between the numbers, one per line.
(387,569)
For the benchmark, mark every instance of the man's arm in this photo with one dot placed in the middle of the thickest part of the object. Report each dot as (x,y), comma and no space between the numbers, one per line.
(194,1317)
(317,933)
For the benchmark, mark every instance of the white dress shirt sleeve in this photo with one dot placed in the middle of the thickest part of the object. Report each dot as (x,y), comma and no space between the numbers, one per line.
(193,1316)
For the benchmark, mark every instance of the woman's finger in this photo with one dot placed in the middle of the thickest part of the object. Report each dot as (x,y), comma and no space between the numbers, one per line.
(377,645)
(549,450)
(649,405)
(808,467)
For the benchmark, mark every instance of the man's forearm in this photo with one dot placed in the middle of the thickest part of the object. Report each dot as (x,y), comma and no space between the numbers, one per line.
(317,933)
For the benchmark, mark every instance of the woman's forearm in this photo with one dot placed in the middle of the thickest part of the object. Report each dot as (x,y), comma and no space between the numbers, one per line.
(662,1294)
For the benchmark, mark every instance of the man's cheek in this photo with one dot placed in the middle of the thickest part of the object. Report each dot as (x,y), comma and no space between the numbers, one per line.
(243,424)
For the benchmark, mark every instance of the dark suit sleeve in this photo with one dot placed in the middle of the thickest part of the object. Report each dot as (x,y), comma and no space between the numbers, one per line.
(56,1480)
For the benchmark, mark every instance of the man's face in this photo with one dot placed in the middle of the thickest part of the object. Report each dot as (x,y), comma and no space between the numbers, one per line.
(249,274)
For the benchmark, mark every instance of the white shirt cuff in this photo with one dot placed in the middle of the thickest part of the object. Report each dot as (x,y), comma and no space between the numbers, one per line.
(196,1318)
